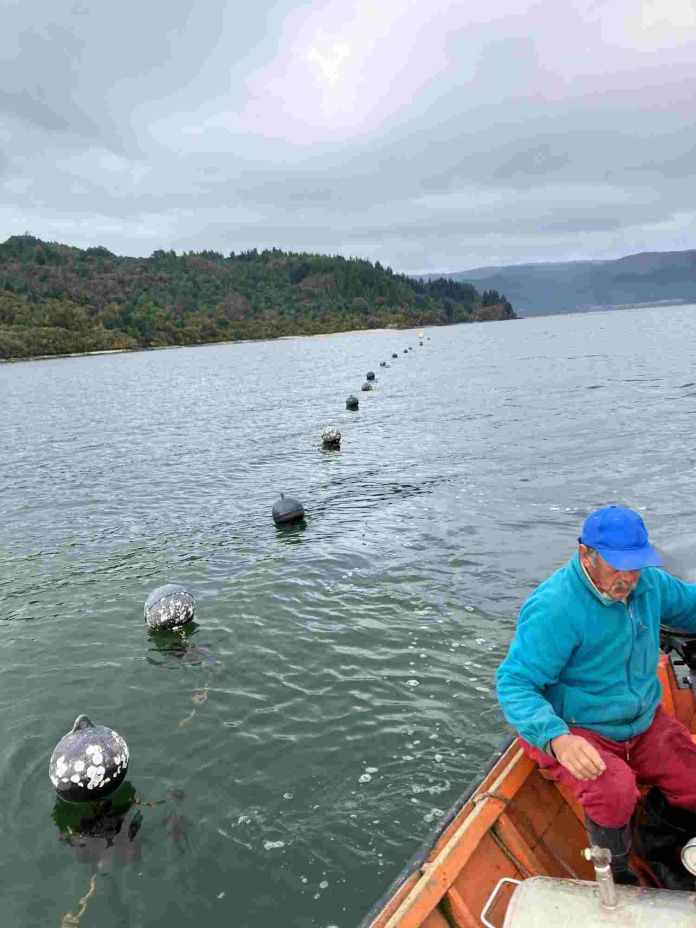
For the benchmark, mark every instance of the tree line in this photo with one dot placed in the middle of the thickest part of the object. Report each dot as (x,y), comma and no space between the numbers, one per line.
(56,299)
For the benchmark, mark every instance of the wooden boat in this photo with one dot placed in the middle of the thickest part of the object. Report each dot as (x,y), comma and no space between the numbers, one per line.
(516,824)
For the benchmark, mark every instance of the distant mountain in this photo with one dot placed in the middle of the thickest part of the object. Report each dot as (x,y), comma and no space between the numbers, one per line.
(577,286)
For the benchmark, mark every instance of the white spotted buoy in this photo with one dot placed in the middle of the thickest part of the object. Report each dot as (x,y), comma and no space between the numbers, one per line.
(169,607)
(330,437)
(352,402)
(366,386)
(88,763)
(370,375)
(287,509)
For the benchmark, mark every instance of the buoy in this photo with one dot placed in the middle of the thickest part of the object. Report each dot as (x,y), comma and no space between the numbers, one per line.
(287,509)
(370,375)
(382,363)
(170,607)
(352,402)
(405,350)
(88,763)
(421,335)
(420,343)
(331,437)
(394,355)
(366,386)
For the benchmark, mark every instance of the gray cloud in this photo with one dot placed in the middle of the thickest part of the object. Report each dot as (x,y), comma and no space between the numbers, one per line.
(437,138)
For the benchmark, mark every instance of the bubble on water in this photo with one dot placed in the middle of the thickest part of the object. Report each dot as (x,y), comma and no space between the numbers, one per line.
(412,683)
(407,757)
(287,795)
(438,758)
(303,879)
(433,815)
(270,845)
(365,778)
(483,689)
(323,884)
(243,820)
(422,655)
(469,608)
(371,769)
(432,737)
(482,641)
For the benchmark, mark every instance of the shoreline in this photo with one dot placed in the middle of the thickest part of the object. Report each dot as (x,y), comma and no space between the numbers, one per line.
(240,341)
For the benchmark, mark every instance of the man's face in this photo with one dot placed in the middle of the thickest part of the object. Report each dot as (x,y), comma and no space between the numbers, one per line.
(615,584)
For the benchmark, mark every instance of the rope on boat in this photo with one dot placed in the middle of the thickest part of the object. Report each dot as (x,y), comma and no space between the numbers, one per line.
(73,921)
(513,805)
(508,853)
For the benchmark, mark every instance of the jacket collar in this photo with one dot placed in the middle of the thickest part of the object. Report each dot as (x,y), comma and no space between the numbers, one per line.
(644,582)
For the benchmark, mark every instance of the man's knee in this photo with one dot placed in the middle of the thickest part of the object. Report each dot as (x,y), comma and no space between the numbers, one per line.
(611,798)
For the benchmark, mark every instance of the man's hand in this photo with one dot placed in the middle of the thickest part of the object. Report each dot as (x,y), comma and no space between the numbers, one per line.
(578,756)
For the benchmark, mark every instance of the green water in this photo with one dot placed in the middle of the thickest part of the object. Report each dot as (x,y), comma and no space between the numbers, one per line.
(348,669)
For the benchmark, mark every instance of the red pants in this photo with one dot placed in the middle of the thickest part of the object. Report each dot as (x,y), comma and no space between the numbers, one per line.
(664,755)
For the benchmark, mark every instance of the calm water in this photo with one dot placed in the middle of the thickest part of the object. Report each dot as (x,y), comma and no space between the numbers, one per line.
(357,653)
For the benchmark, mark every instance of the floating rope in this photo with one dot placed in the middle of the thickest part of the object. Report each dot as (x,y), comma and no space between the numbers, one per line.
(198,698)
(73,921)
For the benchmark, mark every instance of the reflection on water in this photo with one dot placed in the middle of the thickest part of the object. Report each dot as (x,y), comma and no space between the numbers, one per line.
(336,692)
(98,831)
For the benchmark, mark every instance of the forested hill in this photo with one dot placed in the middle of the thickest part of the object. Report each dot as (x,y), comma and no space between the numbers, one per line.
(55,299)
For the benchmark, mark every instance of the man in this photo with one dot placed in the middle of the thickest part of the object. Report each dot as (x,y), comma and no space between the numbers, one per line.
(580,681)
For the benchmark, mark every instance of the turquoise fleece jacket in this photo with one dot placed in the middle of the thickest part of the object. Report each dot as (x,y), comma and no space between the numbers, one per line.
(577,659)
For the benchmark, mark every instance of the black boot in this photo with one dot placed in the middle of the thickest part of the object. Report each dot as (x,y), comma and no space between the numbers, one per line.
(661,831)
(618,841)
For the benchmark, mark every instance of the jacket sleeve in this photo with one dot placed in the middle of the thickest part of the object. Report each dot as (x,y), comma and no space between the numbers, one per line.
(539,651)
(678,602)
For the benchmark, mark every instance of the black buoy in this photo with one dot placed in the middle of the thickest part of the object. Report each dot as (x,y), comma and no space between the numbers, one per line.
(405,350)
(331,437)
(382,363)
(420,343)
(169,607)
(370,375)
(394,355)
(366,386)
(287,509)
(88,763)
(352,402)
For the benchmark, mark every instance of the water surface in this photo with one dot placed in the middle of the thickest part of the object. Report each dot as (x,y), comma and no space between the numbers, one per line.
(349,664)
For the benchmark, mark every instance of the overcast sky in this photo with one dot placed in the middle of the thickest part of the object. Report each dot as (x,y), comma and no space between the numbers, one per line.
(426,134)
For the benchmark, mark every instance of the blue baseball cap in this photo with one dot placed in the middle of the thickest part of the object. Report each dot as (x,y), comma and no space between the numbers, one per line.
(620,536)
